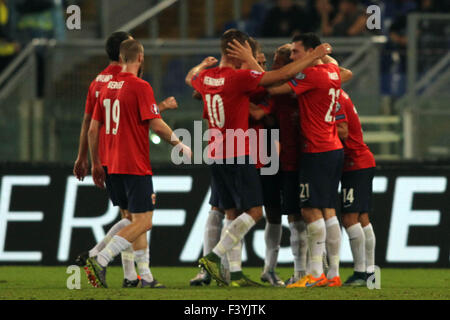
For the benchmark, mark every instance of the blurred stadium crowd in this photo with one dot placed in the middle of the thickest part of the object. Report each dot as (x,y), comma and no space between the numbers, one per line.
(23,20)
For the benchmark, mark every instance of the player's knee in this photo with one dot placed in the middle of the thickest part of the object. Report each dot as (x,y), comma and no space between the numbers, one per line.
(255,213)
(125,214)
(349,219)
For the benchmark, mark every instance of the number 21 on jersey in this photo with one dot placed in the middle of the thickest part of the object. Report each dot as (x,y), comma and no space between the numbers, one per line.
(115,115)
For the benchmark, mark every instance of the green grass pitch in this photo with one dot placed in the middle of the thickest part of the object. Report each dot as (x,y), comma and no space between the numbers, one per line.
(42,283)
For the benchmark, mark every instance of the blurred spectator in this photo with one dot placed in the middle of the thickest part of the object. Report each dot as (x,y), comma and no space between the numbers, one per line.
(8,47)
(286,19)
(40,19)
(431,43)
(350,19)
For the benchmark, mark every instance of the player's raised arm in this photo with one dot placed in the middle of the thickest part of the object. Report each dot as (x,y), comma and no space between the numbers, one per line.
(244,53)
(285,73)
(167,104)
(98,174)
(346,74)
(206,63)
(256,112)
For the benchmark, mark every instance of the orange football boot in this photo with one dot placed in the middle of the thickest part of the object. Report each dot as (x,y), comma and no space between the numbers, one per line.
(321,281)
(335,282)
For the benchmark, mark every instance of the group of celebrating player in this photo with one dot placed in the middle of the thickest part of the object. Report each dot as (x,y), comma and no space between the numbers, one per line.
(320,144)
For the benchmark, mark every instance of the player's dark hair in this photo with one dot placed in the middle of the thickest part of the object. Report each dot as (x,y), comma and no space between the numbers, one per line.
(130,50)
(284,53)
(113,44)
(231,35)
(255,45)
(309,40)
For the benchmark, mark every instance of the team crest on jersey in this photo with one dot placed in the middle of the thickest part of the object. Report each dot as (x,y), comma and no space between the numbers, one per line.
(154,109)
(300,76)
(255,74)
(333,75)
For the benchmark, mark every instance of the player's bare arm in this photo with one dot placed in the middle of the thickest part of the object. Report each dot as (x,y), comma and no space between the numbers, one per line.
(160,128)
(342,128)
(244,53)
(168,104)
(280,89)
(81,166)
(196,95)
(206,63)
(98,174)
(256,112)
(346,74)
(286,72)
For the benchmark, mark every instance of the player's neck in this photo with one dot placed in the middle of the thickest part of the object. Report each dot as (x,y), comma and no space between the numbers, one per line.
(224,63)
(131,68)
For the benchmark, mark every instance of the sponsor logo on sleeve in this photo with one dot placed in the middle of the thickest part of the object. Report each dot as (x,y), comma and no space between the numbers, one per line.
(255,74)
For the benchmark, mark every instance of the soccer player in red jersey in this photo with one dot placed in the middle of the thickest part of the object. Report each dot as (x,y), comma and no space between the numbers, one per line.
(285,109)
(225,91)
(127,108)
(317,89)
(81,164)
(356,182)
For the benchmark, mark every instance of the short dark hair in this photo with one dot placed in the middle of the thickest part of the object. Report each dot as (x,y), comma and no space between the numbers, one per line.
(130,50)
(231,35)
(309,40)
(113,44)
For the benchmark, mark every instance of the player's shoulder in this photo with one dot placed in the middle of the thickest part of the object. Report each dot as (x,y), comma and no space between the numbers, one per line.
(136,83)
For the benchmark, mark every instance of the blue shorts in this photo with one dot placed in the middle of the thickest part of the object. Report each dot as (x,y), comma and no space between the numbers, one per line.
(356,192)
(281,191)
(214,199)
(132,192)
(290,190)
(238,185)
(109,188)
(320,174)
(271,188)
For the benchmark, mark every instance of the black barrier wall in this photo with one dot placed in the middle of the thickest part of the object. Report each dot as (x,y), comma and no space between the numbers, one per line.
(47,217)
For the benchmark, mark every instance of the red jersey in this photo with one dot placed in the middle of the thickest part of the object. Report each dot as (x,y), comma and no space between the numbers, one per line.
(225,92)
(285,110)
(357,153)
(124,106)
(318,90)
(257,125)
(94,90)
